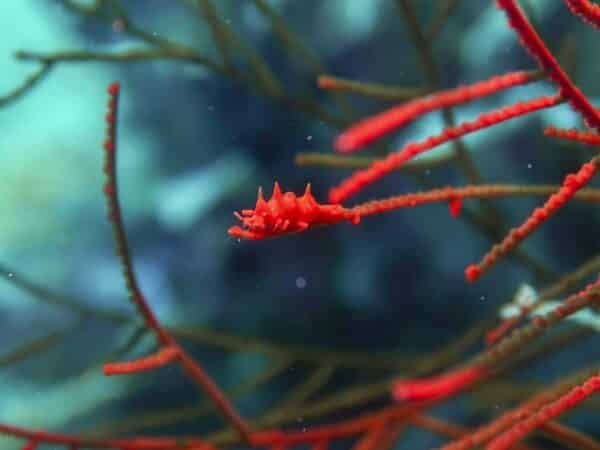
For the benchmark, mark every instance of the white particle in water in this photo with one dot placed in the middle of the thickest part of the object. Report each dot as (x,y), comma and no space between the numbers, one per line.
(309,138)
(118,25)
(300,282)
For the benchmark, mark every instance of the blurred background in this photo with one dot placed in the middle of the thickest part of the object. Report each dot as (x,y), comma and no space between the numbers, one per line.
(196,139)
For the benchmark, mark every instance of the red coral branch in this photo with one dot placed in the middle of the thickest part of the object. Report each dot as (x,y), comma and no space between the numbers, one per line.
(255,229)
(585,9)
(532,42)
(193,369)
(114,215)
(344,429)
(31,445)
(582,137)
(505,421)
(508,346)
(374,127)
(362,178)
(136,443)
(437,387)
(547,413)
(163,357)
(572,183)
(454,197)
(505,326)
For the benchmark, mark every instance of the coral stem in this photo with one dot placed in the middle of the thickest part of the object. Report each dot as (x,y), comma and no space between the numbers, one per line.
(362,178)
(194,370)
(374,127)
(437,387)
(547,413)
(163,357)
(572,184)
(582,137)
(585,9)
(532,41)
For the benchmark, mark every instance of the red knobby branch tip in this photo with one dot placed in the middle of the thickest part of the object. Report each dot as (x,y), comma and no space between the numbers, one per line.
(583,137)
(571,184)
(113,89)
(326,82)
(163,357)
(436,387)
(472,272)
(455,206)
(31,445)
(374,127)
(585,9)
(362,178)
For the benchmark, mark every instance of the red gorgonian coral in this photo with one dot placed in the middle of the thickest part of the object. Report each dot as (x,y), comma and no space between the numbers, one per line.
(372,128)
(285,213)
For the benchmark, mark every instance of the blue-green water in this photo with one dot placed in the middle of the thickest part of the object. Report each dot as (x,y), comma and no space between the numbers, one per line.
(194,145)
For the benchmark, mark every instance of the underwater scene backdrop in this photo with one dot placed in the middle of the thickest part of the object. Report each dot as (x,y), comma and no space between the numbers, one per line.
(346,326)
